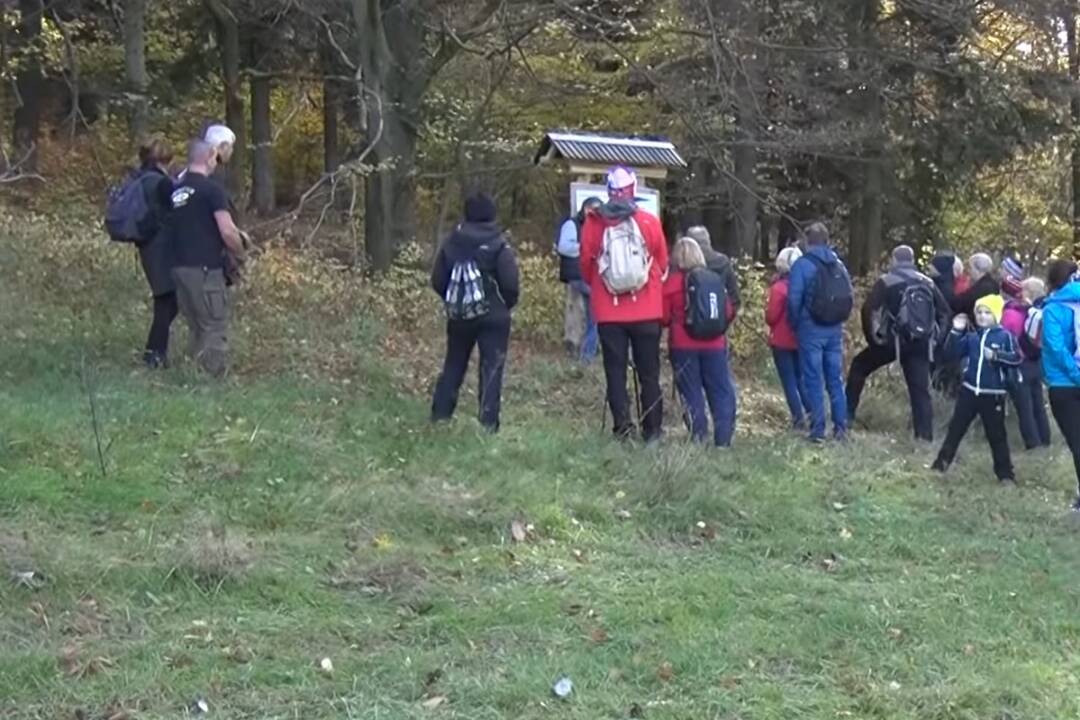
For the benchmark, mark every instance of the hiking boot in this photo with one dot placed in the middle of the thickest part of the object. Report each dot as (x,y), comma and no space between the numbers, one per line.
(940,466)
(155,360)
(1075,507)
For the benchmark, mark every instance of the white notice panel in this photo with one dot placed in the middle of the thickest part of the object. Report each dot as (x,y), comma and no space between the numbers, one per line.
(647,198)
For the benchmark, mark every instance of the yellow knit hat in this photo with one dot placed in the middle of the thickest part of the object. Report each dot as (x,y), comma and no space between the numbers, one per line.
(995,304)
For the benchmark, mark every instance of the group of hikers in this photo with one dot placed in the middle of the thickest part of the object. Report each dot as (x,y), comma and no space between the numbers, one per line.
(189,245)
(981,335)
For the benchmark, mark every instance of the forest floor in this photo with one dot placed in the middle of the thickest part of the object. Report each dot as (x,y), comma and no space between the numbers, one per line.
(298,542)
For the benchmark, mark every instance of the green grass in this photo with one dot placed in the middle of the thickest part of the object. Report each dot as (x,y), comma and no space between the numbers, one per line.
(245,530)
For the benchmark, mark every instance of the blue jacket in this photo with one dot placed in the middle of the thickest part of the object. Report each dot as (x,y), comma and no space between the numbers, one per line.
(1060,368)
(800,291)
(982,376)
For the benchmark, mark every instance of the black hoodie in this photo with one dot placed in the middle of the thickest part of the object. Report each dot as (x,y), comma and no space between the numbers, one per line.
(486,244)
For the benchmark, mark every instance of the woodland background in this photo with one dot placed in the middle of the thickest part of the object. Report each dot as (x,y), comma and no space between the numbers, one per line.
(361,123)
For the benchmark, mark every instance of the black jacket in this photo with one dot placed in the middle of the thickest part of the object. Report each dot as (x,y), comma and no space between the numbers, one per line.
(720,264)
(155,255)
(883,303)
(965,302)
(486,244)
(942,272)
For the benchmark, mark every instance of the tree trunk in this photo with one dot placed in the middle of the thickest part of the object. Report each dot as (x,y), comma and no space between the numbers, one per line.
(1074,120)
(331,133)
(390,197)
(135,67)
(28,86)
(395,80)
(747,83)
(228,35)
(262,156)
(872,203)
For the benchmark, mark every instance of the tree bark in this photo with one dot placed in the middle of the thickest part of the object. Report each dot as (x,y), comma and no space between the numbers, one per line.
(228,35)
(262,137)
(1069,17)
(744,192)
(28,86)
(135,67)
(331,90)
(396,78)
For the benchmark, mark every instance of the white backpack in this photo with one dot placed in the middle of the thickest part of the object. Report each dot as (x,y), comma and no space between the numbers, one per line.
(624,263)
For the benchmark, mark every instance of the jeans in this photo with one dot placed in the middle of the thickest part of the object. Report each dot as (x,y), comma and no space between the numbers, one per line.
(821,357)
(915,362)
(704,376)
(493,338)
(1027,397)
(617,341)
(991,408)
(579,328)
(791,379)
(166,309)
(1065,404)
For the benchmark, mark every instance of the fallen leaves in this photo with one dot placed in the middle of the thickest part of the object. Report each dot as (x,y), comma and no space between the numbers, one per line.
(73,665)
(666,672)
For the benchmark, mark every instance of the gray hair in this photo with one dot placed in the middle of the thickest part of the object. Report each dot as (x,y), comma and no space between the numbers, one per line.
(700,234)
(817,234)
(786,259)
(200,152)
(903,255)
(980,264)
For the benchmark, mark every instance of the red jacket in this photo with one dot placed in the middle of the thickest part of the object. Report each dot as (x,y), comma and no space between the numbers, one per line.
(648,303)
(675,317)
(781,335)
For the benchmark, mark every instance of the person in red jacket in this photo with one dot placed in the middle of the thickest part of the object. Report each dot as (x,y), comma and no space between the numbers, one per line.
(782,339)
(620,245)
(701,369)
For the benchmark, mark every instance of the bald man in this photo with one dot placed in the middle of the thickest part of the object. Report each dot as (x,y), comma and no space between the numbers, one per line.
(886,343)
(201,230)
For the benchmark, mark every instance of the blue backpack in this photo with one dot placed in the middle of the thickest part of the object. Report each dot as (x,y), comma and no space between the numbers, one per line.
(127,213)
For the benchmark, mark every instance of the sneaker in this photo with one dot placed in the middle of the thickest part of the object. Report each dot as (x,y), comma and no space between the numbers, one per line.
(815,440)
(840,435)
(1075,507)
(1008,482)
(939,466)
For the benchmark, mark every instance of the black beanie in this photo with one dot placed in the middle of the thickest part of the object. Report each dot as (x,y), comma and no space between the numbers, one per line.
(480,208)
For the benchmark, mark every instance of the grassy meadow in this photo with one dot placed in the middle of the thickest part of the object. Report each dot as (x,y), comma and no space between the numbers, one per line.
(298,542)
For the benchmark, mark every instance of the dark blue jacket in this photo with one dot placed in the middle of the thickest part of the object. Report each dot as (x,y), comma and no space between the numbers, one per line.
(982,376)
(800,293)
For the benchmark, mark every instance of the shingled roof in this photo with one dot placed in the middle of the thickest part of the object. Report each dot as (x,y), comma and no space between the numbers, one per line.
(641,152)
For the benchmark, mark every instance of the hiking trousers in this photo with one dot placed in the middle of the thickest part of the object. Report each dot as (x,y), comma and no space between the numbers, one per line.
(791,380)
(617,342)
(204,302)
(165,311)
(493,339)
(704,377)
(991,409)
(915,363)
(1065,404)
(1027,397)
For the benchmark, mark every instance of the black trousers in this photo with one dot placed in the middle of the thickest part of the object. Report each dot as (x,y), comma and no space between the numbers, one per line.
(915,362)
(493,338)
(991,408)
(617,341)
(165,311)
(1027,396)
(1065,404)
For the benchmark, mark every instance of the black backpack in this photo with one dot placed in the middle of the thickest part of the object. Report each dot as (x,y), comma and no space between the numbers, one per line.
(916,320)
(831,295)
(706,304)
(128,215)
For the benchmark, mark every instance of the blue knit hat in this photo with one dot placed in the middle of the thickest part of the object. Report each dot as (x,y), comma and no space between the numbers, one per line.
(1011,267)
